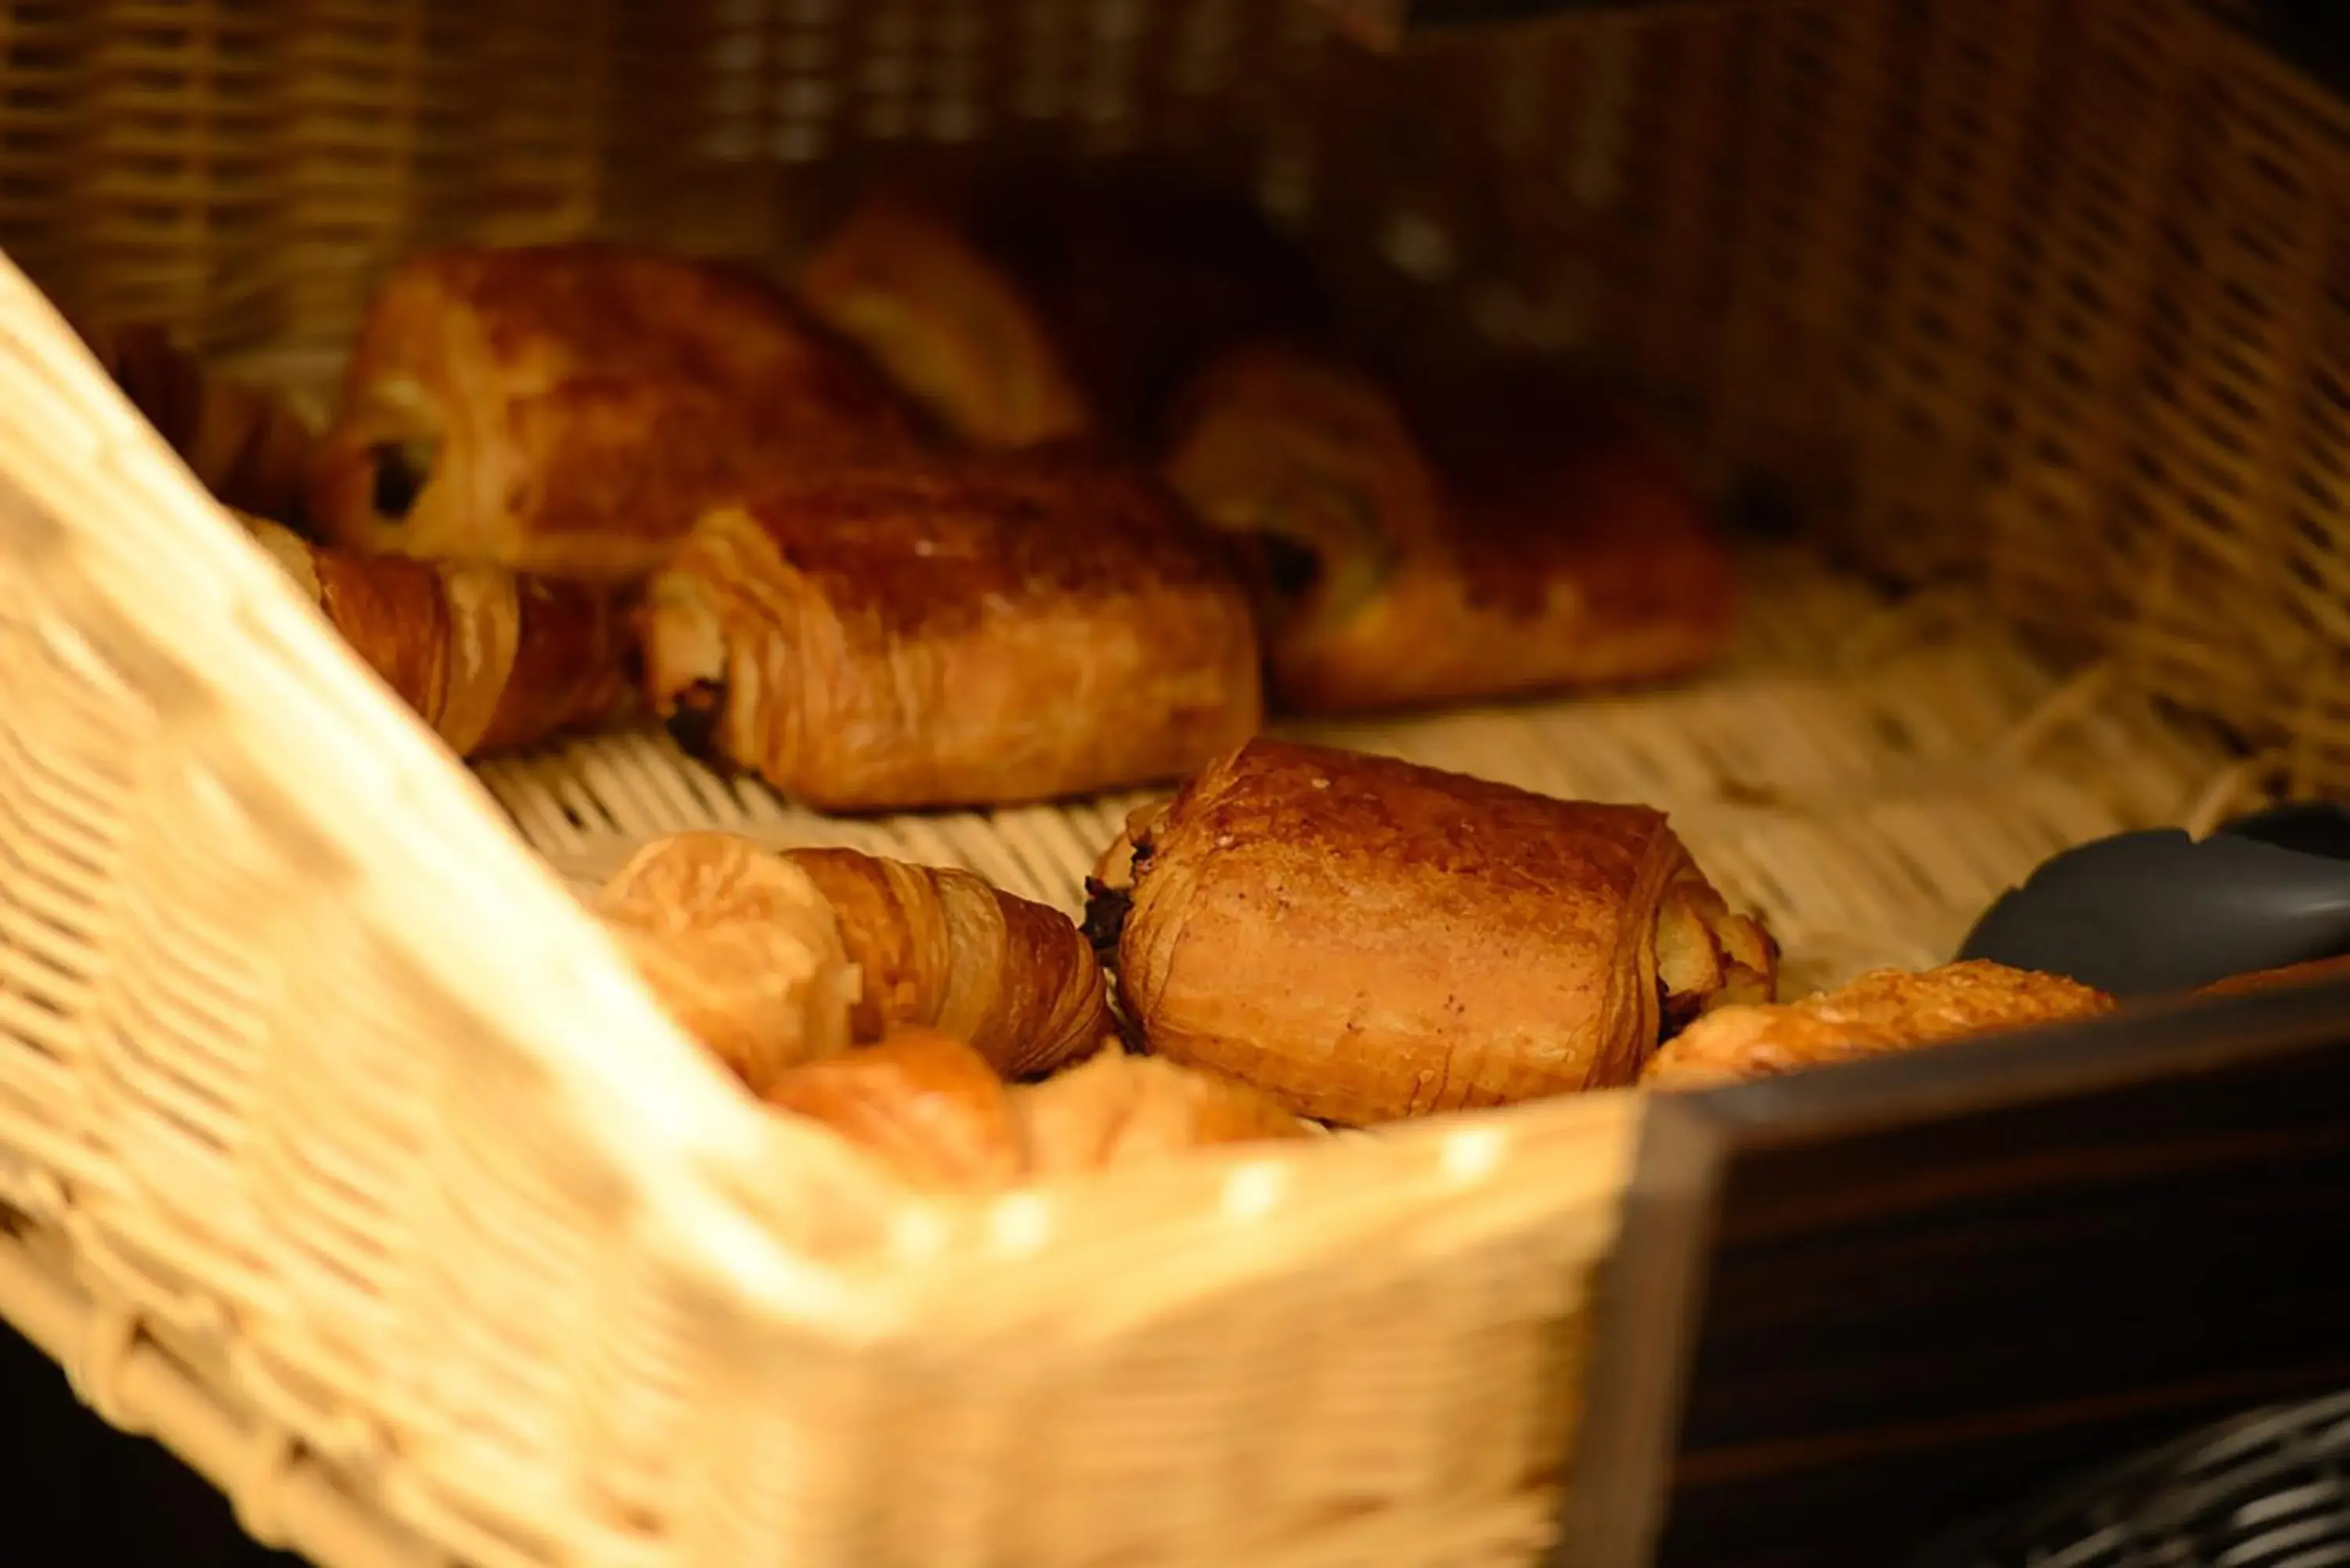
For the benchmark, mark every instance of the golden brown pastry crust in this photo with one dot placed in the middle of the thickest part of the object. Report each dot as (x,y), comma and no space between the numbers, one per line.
(251,450)
(1306,465)
(1366,940)
(1116,1110)
(943,950)
(1551,546)
(572,409)
(945,324)
(1708,956)
(2316,971)
(975,630)
(489,659)
(741,949)
(1883,1011)
(924,1104)
(932,1111)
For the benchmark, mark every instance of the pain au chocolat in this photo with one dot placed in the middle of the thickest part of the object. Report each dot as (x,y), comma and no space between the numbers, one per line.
(969,630)
(1365,940)
(572,409)
(1527,536)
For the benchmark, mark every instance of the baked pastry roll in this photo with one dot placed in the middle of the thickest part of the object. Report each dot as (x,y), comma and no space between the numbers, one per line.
(1553,547)
(946,951)
(1883,1011)
(1366,940)
(968,631)
(930,1108)
(740,946)
(922,1103)
(251,450)
(945,324)
(572,409)
(489,659)
(1116,1110)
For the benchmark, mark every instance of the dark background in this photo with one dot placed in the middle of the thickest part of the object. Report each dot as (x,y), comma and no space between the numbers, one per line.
(74,1491)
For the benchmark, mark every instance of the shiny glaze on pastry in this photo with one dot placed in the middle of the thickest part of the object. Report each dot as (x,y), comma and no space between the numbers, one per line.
(1366,940)
(932,1110)
(1115,1110)
(572,409)
(1883,1011)
(924,1104)
(973,630)
(1546,543)
(945,950)
(490,659)
(945,325)
(741,948)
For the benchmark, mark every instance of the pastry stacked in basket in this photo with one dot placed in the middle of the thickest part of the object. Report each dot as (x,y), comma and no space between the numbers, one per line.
(1041,492)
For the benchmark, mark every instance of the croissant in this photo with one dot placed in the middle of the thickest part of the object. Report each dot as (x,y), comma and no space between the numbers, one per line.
(943,950)
(1115,1110)
(945,324)
(924,1104)
(740,948)
(572,409)
(251,450)
(488,658)
(1365,940)
(1556,548)
(1883,1011)
(976,630)
(931,1109)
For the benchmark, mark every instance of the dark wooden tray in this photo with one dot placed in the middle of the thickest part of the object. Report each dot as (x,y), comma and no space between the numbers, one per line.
(1855,1307)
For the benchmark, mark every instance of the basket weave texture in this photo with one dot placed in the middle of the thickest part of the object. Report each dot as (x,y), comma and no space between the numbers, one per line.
(316,1086)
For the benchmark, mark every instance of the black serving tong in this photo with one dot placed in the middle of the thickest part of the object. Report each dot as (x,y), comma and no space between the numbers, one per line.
(2142,914)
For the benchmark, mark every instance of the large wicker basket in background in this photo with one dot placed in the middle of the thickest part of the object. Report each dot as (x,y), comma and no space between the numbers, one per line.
(342,1153)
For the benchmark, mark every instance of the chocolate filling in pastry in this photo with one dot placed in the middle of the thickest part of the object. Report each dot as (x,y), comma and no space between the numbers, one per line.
(1105,908)
(402,471)
(701,707)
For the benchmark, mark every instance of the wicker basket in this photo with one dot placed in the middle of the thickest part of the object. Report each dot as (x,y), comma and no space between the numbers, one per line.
(342,1154)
